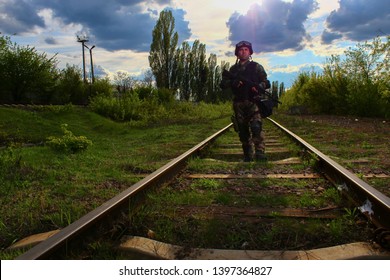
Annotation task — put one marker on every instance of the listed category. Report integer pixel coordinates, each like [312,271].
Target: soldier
[248,80]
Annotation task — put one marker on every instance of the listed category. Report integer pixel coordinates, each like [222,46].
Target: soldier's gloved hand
[267,84]
[237,83]
[256,98]
[262,86]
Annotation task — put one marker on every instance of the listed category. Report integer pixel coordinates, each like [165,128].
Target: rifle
[249,84]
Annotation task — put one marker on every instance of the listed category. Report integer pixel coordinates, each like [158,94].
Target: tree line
[30,77]
[185,69]
[355,83]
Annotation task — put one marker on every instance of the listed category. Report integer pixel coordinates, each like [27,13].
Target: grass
[43,189]
[197,228]
[48,189]
[343,138]
[260,192]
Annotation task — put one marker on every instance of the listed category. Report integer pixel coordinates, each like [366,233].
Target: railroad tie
[161,250]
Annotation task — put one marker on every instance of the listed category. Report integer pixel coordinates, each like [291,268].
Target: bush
[150,111]
[68,142]
[101,86]
[26,75]
[124,108]
[69,87]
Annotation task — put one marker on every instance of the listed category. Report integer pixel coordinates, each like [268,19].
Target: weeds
[68,143]
[12,172]
[333,195]
[351,215]
[367,146]
[207,184]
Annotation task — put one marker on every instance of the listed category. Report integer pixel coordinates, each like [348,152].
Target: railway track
[301,204]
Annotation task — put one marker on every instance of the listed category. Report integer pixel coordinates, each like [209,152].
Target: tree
[337,80]
[198,71]
[148,78]
[212,86]
[70,87]
[365,70]
[214,76]
[27,76]
[124,81]
[357,84]
[281,90]
[162,50]
[182,71]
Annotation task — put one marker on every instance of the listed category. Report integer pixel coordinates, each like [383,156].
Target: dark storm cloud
[18,16]
[328,37]
[111,24]
[358,20]
[273,26]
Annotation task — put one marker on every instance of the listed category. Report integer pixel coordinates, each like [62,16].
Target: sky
[288,36]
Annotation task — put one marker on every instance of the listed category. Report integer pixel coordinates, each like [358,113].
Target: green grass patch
[44,189]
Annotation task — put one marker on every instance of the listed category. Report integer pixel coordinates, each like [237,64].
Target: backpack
[266,106]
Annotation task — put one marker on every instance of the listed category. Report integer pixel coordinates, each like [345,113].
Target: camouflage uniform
[246,111]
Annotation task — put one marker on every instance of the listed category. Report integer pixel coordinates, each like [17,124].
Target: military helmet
[243,44]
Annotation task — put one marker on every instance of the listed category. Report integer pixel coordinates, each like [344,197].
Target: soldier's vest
[248,73]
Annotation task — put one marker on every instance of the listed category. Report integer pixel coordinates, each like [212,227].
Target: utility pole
[90,56]
[82,40]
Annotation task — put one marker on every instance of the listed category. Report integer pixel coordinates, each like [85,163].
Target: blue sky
[288,36]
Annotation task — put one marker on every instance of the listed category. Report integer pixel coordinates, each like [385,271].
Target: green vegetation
[68,142]
[184,68]
[357,84]
[44,189]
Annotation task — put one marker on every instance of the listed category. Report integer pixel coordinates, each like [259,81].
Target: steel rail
[60,239]
[375,205]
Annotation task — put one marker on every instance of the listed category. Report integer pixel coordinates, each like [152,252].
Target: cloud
[51,40]
[181,26]
[18,17]
[111,24]
[328,37]
[99,71]
[358,20]
[273,26]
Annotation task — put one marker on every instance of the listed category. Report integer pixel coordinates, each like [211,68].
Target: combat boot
[248,153]
[260,156]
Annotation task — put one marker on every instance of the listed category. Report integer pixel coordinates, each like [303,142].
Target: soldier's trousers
[249,125]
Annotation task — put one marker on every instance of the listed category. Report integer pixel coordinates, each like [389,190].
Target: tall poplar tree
[183,71]
[198,69]
[162,50]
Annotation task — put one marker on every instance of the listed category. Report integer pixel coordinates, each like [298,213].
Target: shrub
[68,142]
